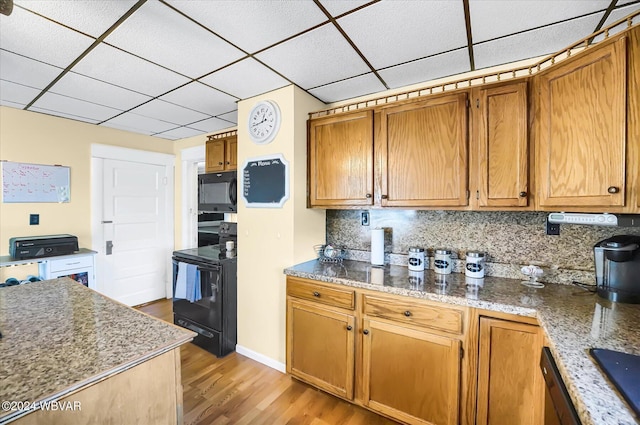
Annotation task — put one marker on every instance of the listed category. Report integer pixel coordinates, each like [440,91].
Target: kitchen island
[574,320]
[72,355]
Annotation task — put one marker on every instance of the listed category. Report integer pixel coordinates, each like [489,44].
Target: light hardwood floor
[237,390]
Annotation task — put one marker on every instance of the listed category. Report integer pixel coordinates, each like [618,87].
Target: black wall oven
[218,192]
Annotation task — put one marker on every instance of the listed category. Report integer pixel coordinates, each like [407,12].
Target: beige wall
[271,239]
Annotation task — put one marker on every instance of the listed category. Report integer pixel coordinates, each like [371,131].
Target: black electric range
[623,370]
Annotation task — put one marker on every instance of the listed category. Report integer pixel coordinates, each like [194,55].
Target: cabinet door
[341,160]
[411,375]
[320,347]
[501,137]
[582,130]
[424,146]
[214,156]
[231,153]
[510,384]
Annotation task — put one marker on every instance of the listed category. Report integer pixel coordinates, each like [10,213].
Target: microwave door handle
[233,191]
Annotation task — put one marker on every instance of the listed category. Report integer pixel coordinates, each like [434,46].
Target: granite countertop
[573,319]
[59,336]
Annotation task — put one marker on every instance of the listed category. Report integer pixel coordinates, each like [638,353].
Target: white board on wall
[22,182]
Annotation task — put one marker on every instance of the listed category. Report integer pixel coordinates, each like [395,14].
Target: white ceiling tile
[179,133]
[161,35]
[11,104]
[395,31]
[338,7]
[64,115]
[168,112]
[68,105]
[245,79]
[253,24]
[623,12]
[90,17]
[427,69]
[230,116]
[96,91]
[201,98]
[347,89]
[210,125]
[30,35]
[533,43]
[26,71]
[496,18]
[138,124]
[17,94]
[318,57]
[122,69]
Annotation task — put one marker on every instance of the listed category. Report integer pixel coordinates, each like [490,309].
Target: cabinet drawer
[436,317]
[70,263]
[342,298]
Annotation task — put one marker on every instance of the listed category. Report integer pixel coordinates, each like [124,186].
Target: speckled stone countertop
[573,318]
[59,336]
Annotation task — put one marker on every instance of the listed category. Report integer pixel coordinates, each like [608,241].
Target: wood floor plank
[240,391]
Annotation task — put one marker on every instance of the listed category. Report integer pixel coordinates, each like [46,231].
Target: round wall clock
[264,122]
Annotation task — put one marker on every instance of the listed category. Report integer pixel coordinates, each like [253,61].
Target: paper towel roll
[377,246]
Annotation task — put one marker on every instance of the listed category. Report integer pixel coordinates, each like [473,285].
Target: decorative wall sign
[23,182]
[265,181]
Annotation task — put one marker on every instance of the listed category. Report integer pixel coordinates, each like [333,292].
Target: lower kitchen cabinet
[510,384]
[409,374]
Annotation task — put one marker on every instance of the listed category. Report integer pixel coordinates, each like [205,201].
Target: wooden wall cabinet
[581,131]
[221,154]
[340,155]
[510,384]
[500,146]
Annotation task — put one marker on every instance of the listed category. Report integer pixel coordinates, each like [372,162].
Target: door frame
[189,203]
[98,154]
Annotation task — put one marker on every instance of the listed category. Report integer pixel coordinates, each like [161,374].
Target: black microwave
[217,192]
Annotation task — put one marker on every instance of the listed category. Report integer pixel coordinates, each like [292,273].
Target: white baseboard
[261,358]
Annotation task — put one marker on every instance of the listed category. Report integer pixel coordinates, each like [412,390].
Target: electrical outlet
[364,218]
[34,219]
[553,228]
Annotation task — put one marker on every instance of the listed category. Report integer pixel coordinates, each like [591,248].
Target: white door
[134,250]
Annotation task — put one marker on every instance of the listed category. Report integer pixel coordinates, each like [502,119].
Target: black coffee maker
[617,261]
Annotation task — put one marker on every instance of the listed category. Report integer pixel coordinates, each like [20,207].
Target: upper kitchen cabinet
[581,147]
[422,151]
[340,156]
[221,154]
[500,148]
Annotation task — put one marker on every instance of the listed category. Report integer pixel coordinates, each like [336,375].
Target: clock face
[264,122]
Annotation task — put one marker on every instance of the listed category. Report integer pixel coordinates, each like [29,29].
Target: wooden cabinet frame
[221,154]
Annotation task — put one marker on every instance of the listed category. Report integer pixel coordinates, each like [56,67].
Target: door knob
[109,247]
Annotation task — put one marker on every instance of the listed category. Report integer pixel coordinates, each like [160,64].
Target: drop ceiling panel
[68,105]
[347,89]
[90,17]
[230,116]
[64,115]
[111,65]
[179,133]
[30,35]
[315,58]
[246,78]
[427,69]
[169,112]
[533,43]
[96,91]
[392,32]
[159,34]
[201,98]
[210,125]
[496,18]
[338,7]
[622,12]
[26,71]
[16,95]
[138,124]
[254,24]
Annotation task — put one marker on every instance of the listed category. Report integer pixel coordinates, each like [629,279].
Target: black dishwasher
[558,408]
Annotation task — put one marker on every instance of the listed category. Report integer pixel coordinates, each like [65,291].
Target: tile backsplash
[509,239]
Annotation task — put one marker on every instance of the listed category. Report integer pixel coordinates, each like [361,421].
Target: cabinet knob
[349,327]
[407,313]
[368,195]
[384,196]
[613,189]
[219,163]
[316,294]
[523,194]
[228,162]
[366,331]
